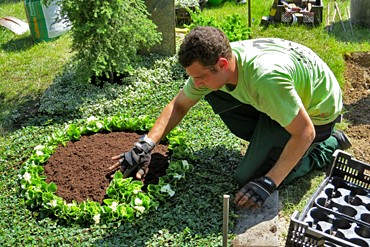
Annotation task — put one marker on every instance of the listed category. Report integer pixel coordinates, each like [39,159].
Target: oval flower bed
[125,199]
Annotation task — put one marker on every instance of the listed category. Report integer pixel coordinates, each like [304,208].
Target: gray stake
[225,220]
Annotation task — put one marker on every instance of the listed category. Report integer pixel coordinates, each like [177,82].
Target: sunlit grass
[26,68]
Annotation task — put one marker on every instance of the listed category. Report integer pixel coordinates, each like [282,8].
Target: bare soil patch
[80,169]
[357,103]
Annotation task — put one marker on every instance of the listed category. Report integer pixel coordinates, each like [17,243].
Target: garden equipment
[225,225]
[327,25]
[297,11]
[338,212]
[333,20]
[350,21]
[15,25]
[340,16]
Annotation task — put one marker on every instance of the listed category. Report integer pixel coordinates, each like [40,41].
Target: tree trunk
[360,12]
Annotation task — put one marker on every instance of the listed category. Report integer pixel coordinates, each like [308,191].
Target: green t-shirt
[277,77]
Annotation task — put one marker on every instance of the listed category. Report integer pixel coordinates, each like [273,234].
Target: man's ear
[223,63]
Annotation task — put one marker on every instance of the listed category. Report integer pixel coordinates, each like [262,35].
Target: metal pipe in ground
[225,227]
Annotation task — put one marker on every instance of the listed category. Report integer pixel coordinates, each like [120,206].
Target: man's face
[204,77]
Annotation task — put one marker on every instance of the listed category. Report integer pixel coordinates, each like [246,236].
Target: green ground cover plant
[40,75]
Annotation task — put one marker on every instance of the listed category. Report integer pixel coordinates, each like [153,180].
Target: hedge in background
[106,34]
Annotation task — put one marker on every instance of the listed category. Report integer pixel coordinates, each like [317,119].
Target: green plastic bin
[215,2]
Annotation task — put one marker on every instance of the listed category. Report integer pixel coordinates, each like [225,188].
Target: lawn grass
[27,69]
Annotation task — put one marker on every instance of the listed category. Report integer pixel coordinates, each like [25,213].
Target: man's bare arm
[171,115]
[302,133]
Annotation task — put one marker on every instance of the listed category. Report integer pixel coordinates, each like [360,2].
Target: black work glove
[255,193]
[137,159]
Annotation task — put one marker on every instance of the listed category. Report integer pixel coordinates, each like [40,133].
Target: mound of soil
[357,103]
[80,169]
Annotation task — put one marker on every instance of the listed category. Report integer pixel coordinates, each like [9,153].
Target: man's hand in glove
[255,193]
[136,159]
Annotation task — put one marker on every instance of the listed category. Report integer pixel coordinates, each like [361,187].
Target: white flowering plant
[125,197]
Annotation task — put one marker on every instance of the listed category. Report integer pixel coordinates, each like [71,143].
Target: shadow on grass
[358,112]
[195,214]
[360,33]
[15,114]
[17,45]
[23,110]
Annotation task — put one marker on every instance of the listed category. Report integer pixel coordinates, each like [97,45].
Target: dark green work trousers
[267,139]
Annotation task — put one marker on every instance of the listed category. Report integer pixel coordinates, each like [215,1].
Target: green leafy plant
[233,26]
[125,201]
[106,35]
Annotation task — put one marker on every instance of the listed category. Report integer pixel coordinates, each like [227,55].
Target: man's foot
[342,139]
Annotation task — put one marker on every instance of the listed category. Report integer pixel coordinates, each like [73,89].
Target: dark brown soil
[80,170]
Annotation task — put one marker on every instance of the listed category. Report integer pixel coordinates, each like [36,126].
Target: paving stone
[258,227]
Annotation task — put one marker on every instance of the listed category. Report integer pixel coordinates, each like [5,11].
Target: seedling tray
[338,213]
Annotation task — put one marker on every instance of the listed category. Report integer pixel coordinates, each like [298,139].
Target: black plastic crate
[338,213]
[351,170]
[314,16]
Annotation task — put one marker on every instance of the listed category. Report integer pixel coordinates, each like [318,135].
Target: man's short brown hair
[205,45]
